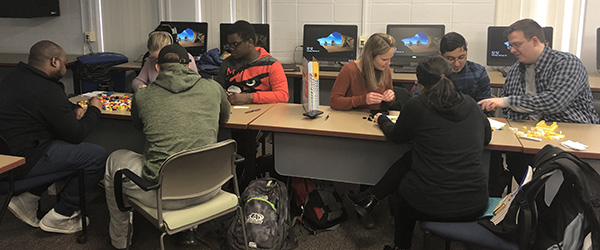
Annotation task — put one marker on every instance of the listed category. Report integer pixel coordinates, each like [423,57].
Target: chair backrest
[4,146]
[197,172]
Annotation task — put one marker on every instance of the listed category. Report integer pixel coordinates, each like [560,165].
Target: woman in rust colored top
[367,82]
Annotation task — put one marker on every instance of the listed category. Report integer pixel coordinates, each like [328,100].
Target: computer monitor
[598,49]
[330,42]
[261,30]
[414,42]
[191,35]
[498,53]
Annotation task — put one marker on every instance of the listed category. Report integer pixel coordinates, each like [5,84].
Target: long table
[346,147]
[584,133]
[115,130]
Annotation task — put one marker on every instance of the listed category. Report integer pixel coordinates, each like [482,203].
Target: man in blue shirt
[469,77]
[544,84]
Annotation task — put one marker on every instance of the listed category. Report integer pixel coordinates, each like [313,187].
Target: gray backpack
[266,211]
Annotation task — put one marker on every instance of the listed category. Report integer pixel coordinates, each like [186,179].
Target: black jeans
[60,160]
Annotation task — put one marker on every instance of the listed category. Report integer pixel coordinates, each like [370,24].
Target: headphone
[167,29]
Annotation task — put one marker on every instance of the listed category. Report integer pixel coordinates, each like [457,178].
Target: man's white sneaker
[24,207]
[57,223]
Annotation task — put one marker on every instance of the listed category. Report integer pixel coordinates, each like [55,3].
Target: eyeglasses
[230,46]
[454,59]
[516,45]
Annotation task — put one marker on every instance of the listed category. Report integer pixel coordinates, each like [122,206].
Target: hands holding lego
[95,101]
[240,98]
[389,96]
[376,117]
[79,112]
[491,103]
[374,98]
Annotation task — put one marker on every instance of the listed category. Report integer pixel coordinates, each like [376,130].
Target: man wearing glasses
[544,84]
[469,77]
[251,74]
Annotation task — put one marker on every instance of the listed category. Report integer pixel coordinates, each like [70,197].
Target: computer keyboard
[405,69]
[330,68]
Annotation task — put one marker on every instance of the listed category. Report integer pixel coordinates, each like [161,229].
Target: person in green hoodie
[442,178]
[179,111]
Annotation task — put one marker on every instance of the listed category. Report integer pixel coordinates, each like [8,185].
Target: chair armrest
[238,159]
[118,184]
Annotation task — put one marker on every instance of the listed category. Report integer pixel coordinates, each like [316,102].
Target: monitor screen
[498,53]
[414,42]
[261,30]
[598,49]
[330,42]
[191,35]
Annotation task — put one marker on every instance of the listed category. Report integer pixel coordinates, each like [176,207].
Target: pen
[250,111]
[327,117]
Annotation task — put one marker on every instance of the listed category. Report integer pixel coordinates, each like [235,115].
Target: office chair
[468,232]
[188,174]
[4,149]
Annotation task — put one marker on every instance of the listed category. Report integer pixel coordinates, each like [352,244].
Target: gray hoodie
[179,111]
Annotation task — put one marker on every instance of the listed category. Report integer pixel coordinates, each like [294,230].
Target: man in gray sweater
[179,111]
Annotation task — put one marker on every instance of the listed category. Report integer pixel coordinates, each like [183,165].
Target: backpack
[571,218]
[266,211]
[321,206]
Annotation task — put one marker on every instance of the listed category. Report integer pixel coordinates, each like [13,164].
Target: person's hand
[79,112]
[389,96]
[94,101]
[374,98]
[242,98]
[491,103]
[142,86]
[376,117]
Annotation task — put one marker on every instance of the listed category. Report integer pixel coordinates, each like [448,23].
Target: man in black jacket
[39,123]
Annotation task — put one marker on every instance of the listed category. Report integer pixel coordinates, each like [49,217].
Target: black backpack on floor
[268,221]
[571,218]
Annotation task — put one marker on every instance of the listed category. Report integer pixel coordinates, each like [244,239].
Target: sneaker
[57,223]
[24,207]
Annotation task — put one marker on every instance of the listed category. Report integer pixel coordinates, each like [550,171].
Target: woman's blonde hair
[158,39]
[377,44]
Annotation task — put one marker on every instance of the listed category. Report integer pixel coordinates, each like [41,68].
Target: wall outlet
[361,42]
[90,36]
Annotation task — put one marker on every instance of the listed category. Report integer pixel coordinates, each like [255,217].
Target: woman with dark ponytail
[442,178]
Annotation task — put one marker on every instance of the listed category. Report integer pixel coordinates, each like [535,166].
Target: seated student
[544,84]
[251,74]
[367,82]
[442,178]
[157,39]
[42,125]
[468,77]
[179,111]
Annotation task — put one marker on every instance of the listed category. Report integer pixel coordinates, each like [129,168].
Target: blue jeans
[60,160]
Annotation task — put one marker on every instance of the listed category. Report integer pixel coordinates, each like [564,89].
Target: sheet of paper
[496,124]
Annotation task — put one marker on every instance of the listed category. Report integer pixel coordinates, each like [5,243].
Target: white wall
[591,23]
[19,34]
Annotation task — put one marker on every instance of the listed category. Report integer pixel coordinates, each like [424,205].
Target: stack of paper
[503,206]
[574,145]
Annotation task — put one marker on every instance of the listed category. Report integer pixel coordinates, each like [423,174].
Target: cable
[294,54]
